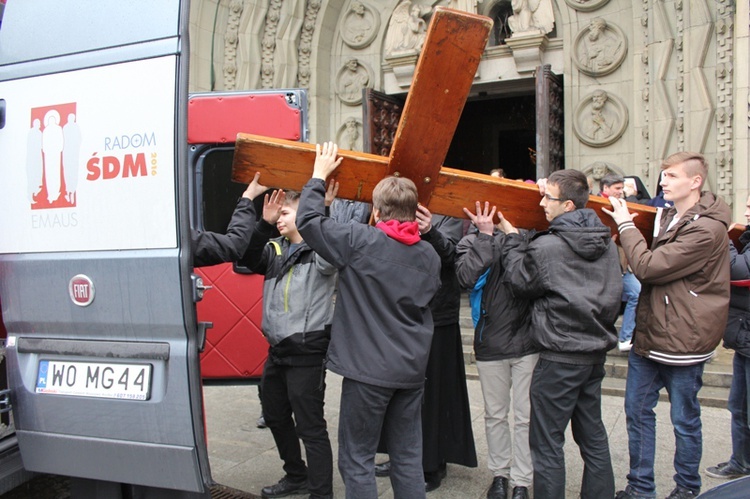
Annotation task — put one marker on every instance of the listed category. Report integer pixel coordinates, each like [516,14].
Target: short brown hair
[695,164]
[573,186]
[292,198]
[396,199]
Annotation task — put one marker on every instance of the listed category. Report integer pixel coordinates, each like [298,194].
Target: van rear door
[95,279]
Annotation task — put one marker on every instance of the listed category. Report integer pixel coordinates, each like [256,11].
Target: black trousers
[293,399]
[562,393]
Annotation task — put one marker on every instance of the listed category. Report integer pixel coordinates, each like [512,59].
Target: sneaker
[285,487]
[625,346]
[726,470]
[682,493]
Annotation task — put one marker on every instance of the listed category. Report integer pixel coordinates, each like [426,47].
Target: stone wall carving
[349,135]
[406,30]
[353,76]
[598,169]
[600,119]
[725,100]
[586,5]
[600,48]
[360,25]
[465,5]
[305,43]
[231,37]
[268,43]
[531,16]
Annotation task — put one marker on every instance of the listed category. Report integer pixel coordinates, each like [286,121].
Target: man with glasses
[571,273]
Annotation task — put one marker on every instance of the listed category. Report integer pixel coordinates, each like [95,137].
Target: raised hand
[483,219]
[254,189]
[333,189]
[272,206]
[424,219]
[325,160]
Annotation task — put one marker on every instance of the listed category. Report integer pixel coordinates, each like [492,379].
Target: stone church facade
[641,78]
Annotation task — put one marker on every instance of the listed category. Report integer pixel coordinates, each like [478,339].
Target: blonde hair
[396,199]
[694,164]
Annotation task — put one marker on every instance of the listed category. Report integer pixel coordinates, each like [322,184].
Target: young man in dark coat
[737,337]
[571,273]
[505,356]
[382,327]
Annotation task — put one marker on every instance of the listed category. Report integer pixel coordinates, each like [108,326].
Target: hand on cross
[483,219]
[619,212]
[272,206]
[325,160]
[254,189]
[424,219]
[333,189]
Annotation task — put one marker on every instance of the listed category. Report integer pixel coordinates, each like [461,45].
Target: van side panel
[94,261]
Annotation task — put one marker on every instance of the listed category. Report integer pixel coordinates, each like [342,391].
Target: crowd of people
[544,305]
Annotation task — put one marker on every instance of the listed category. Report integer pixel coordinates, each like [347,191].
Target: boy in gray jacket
[382,327]
[297,314]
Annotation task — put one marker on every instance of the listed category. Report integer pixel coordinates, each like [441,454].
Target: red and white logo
[53,148]
[81,289]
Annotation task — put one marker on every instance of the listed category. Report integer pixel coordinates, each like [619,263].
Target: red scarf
[403,232]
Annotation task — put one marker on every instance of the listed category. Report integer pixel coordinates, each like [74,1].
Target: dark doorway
[496,133]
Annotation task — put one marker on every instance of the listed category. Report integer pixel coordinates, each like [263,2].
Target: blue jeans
[645,379]
[739,397]
[631,288]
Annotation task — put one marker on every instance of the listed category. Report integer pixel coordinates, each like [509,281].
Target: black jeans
[562,393]
[365,410]
[299,391]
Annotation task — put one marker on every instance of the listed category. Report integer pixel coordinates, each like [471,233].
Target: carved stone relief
[598,169]
[600,119]
[349,135]
[465,5]
[268,43]
[305,43]
[406,30]
[353,76]
[586,5]
[230,45]
[600,48]
[531,16]
[360,25]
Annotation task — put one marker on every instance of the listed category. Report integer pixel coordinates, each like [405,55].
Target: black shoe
[261,422]
[433,479]
[314,496]
[383,469]
[726,470]
[498,489]
[520,493]
[285,487]
[682,493]
[628,494]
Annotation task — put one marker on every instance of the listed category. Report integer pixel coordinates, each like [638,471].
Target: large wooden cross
[444,74]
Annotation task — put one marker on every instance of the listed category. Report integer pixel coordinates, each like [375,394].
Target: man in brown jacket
[681,315]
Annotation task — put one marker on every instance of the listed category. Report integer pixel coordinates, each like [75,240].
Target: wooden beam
[443,77]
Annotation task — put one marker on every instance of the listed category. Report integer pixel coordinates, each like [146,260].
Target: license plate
[95,379]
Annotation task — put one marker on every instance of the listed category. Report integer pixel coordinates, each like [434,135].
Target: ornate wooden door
[550,153]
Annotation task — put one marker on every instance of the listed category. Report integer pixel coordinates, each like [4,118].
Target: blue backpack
[475,297]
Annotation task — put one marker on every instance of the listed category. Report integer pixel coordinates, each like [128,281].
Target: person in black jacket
[505,355]
[212,248]
[737,337]
[571,273]
[447,436]
[382,327]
